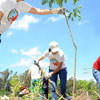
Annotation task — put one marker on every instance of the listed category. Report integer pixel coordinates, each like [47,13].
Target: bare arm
[19,0]
[1,15]
[41,58]
[58,68]
[40,11]
[25,7]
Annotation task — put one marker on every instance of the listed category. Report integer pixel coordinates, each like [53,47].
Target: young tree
[74,12]
[71,15]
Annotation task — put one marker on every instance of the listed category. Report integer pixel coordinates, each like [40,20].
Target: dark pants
[63,82]
[45,95]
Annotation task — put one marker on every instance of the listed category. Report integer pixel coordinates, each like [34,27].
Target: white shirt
[54,59]
[11,9]
[35,72]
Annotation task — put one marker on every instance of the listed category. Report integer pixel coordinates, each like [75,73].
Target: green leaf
[75,14]
[66,1]
[79,6]
[51,2]
[79,17]
[75,9]
[72,18]
[69,16]
[78,12]
[44,2]
[57,1]
[74,2]
[60,3]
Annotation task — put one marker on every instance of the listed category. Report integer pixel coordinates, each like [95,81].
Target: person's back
[35,74]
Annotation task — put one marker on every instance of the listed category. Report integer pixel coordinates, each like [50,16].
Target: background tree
[4,79]
[69,86]
[24,78]
[89,87]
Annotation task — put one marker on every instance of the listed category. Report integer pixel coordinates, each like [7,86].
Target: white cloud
[14,51]
[55,19]
[22,63]
[28,62]
[9,34]
[82,22]
[24,22]
[33,52]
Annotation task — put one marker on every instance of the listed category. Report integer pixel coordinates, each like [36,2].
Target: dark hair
[49,49]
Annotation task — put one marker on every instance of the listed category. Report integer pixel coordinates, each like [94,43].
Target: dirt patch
[82,95]
[82,98]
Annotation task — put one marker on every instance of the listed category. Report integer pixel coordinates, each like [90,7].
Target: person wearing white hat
[10,10]
[57,67]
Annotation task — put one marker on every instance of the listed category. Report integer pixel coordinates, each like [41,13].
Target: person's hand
[47,75]
[58,11]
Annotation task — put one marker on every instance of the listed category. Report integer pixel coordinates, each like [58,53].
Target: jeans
[96,74]
[63,82]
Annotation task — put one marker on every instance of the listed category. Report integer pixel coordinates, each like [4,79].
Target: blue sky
[30,35]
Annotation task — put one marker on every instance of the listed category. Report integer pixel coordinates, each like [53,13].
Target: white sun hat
[54,46]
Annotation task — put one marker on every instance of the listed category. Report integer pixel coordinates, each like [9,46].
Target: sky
[29,36]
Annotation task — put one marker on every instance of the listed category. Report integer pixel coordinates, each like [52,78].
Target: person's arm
[58,68]
[48,75]
[40,11]
[47,11]
[1,15]
[25,7]
[29,80]
[19,0]
[41,58]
